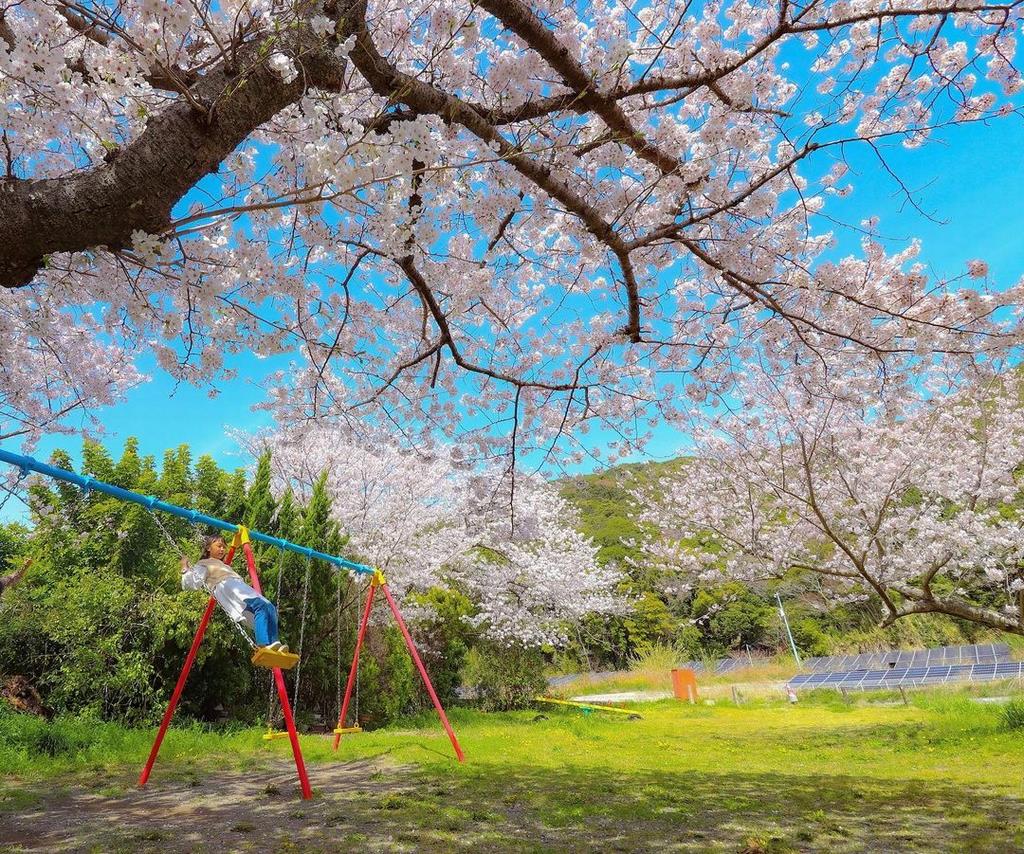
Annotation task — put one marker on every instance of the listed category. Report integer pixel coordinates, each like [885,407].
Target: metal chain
[302,633]
[243,633]
[270,676]
[167,534]
[337,643]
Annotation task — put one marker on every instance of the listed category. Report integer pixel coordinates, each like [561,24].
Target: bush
[1012,714]
[387,679]
[661,658]
[443,639]
[504,678]
[732,616]
[690,644]
[809,637]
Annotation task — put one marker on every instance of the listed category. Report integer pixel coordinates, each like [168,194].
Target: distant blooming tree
[913,499]
[498,220]
[429,521]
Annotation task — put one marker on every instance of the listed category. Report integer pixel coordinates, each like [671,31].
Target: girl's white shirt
[230,592]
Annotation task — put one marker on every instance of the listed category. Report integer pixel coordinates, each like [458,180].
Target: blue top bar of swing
[27,464]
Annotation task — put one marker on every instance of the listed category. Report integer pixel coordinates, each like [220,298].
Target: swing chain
[337,640]
[302,633]
[167,534]
[270,683]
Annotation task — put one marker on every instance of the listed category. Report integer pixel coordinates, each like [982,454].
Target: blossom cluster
[426,520]
[911,494]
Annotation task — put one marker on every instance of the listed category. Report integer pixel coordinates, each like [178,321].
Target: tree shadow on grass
[373,806]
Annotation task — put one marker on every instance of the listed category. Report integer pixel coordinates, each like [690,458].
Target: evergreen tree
[175,484]
[210,488]
[259,502]
[96,461]
[235,499]
[317,525]
[128,471]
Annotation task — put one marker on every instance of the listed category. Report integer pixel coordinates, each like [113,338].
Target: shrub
[810,638]
[504,678]
[1012,714]
[387,679]
[443,638]
[660,658]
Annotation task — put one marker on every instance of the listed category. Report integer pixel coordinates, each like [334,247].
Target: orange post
[684,684]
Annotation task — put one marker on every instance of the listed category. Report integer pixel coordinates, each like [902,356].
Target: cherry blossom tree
[431,521]
[914,498]
[498,221]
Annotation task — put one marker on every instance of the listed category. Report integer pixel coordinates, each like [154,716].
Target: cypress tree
[259,510]
[210,487]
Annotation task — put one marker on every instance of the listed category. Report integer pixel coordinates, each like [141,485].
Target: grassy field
[940,774]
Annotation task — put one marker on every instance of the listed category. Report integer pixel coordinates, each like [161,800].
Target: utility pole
[789,634]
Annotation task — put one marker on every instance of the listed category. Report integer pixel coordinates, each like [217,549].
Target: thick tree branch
[103,205]
[920,602]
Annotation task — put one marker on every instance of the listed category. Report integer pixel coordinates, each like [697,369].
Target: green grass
[939,774]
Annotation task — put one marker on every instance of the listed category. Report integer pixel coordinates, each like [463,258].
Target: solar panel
[918,673]
[967,654]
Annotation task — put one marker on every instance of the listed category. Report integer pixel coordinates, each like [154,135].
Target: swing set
[276,662]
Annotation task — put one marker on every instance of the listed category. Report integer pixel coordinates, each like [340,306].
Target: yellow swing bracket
[241,536]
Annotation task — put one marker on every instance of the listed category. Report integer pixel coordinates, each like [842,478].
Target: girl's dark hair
[208,542]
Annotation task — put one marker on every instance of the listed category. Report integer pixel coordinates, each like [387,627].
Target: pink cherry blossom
[908,495]
[428,520]
[493,222]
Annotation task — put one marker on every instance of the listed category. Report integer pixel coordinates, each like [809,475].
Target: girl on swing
[239,601]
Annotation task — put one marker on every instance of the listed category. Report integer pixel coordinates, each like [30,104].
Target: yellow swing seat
[264,656]
[343,730]
[270,735]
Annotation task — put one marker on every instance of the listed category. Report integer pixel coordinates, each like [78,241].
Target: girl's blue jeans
[264,620]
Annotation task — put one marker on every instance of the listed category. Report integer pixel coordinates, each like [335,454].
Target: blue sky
[968,177]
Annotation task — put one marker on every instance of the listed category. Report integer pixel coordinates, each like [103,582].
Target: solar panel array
[989,653]
[911,676]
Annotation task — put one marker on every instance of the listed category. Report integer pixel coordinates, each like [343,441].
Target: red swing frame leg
[423,671]
[282,692]
[300,766]
[343,713]
[182,678]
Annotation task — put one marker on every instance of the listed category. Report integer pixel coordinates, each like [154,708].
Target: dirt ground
[378,805]
[201,810]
